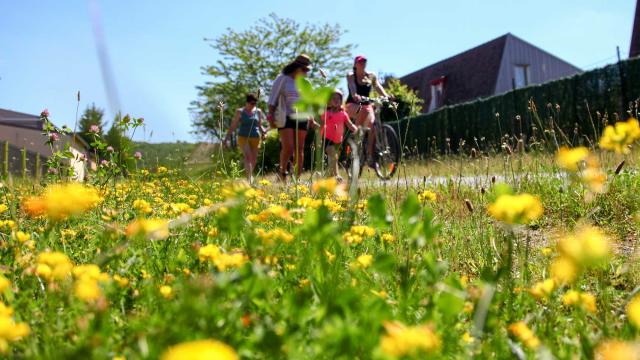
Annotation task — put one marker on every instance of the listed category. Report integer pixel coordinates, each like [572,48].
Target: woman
[294,131]
[360,83]
[248,121]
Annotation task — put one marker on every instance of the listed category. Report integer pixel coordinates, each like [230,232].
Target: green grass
[451,267]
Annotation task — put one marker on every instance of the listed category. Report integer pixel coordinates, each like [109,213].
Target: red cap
[360,58]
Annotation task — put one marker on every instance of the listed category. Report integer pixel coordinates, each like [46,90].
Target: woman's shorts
[291,124]
[254,142]
[352,111]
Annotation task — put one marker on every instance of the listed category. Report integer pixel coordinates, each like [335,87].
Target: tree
[409,104]
[251,59]
[92,116]
[117,138]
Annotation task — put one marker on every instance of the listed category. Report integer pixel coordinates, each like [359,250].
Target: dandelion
[10,331]
[633,311]
[3,208]
[364,261]
[200,350]
[564,271]
[587,246]
[53,266]
[585,301]
[166,291]
[570,159]
[521,331]
[4,284]
[154,229]
[62,201]
[616,350]
[543,289]
[516,209]
[21,237]
[401,340]
[618,137]
[87,289]
[427,196]
[387,237]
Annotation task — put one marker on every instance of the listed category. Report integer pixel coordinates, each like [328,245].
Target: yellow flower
[543,289]
[166,291]
[213,232]
[327,185]
[121,281]
[200,350]
[427,195]
[53,266]
[11,331]
[618,137]
[570,159]
[587,246]
[154,229]
[87,289]
[564,271]
[364,261]
[401,340]
[633,311]
[616,350]
[4,284]
[62,201]
[273,235]
[357,233]
[585,301]
[142,206]
[386,237]
[516,209]
[3,208]
[522,332]
[467,338]
[208,252]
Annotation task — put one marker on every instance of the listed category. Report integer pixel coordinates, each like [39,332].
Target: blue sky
[156,47]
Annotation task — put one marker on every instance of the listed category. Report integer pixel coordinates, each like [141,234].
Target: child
[332,131]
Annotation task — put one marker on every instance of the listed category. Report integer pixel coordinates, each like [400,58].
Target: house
[495,67]
[635,35]
[23,133]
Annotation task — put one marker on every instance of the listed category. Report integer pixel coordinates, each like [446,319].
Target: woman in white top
[294,131]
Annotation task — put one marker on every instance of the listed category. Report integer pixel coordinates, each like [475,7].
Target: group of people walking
[292,130]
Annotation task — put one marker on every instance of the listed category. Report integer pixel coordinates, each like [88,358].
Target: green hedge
[603,92]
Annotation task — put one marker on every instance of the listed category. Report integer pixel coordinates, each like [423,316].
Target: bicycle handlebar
[379,100]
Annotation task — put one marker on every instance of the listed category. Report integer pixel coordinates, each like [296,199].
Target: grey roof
[474,73]
[18,119]
[28,121]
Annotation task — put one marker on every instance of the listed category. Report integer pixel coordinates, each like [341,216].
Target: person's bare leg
[299,151]
[286,149]
[371,138]
[246,152]
[333,161]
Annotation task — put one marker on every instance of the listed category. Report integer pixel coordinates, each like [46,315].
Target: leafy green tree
[92,116]
[250,60]
[117,138]
[409,103]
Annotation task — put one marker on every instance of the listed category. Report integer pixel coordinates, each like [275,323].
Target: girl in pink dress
[332,131]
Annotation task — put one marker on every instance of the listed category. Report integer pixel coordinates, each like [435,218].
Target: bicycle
[386,150]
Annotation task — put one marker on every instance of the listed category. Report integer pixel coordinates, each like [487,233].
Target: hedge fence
[576,108]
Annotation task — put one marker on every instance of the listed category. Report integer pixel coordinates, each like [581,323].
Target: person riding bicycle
[360,83]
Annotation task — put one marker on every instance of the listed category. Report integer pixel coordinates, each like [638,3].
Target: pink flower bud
[44,113]
[137,155]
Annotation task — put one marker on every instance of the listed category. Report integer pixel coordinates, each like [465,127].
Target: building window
[520,76]
[437,90]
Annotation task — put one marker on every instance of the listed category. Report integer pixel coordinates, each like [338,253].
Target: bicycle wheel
[351,157]
[387,152]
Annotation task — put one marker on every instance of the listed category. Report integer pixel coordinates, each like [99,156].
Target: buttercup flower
[516,209]
[62,201]
[619,136]
[522,332]
[200,350]
[401,340]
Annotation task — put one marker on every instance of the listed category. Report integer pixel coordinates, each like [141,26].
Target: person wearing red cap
[360,83]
